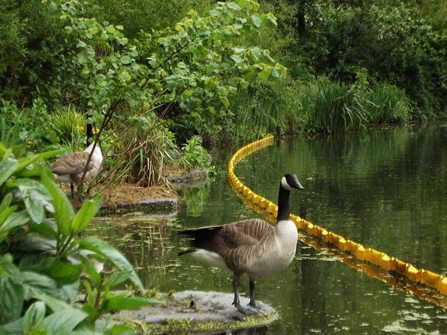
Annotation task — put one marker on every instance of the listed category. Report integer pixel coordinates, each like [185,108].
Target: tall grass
[141,148]
[331,107]
[70,124]
[387,104]
[263,108]
[256,112]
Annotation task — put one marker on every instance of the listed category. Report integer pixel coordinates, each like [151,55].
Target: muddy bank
[124,198]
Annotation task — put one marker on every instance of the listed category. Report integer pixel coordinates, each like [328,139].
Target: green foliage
[196,156]
[29,126]
[143,15]
[70,124]
[257,111]
[41,261]
[387,38]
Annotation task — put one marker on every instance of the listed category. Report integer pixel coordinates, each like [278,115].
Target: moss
[191,318]
[188,326]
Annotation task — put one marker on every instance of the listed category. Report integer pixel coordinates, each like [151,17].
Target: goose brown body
[71,167]
[250,247]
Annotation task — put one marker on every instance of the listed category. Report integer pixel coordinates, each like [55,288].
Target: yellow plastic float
[269,210]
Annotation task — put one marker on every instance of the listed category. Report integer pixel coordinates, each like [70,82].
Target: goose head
[290,181]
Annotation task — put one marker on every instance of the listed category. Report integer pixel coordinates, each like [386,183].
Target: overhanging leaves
[113,255]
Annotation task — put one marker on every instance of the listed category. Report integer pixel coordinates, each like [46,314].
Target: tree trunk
[300,15]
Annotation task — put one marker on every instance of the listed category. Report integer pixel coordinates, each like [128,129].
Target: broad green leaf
[93,275]
[117,278]
[11,300]
[63,272]
[224,101]
[120,302]
[265,73]
[237,59]
[250,75]
[233,6]
[12,221]
[90,311]
[270,21]
[34,317]
[53,303]
[7,331]
[27,161]
[50,154]
[46,227]
[84,216]
[256,54]
[81,44]
[244,84]
[125,59]
[257,21]
[40,283]
[41,332]
[122,330]
[5,210]
[109,252]
[7,168]
[63,321]
[9,270]
[63,211]
[35,196]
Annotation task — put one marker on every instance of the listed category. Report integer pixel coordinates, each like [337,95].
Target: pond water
[385,189]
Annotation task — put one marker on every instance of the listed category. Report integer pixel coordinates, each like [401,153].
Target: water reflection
[383,189]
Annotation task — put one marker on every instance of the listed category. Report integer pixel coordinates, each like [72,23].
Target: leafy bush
[30,125]
[194,155]
[42,260]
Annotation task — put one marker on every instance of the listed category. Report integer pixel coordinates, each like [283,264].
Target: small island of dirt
[125,197]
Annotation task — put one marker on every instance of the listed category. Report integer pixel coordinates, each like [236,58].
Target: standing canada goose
[71,167]
[250,247]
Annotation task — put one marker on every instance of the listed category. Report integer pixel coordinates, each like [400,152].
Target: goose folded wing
[245,233]
[71,164]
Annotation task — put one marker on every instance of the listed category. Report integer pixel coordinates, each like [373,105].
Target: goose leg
[252,302]
[72,190]
[236,301]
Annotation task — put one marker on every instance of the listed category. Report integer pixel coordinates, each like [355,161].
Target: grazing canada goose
[71,167]
[250,247]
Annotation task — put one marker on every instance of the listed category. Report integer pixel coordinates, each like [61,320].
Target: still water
[385,189]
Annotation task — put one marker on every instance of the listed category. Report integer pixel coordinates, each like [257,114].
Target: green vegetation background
[157,82]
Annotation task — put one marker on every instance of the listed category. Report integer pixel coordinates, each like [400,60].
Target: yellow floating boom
[269,210]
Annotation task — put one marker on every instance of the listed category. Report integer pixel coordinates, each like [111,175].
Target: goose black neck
[283,204]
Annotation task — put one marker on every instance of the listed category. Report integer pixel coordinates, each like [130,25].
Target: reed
[331,107]
[261,109]
[386,104]
[70,125]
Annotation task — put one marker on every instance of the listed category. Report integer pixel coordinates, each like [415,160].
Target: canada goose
[250,247]
[71,167]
